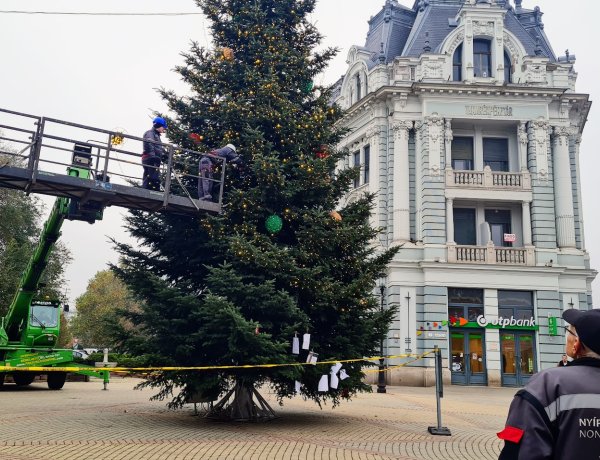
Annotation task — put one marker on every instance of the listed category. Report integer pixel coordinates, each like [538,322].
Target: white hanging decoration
[324,384]
[335,368]
[295,346]
[312,357]
[334,381]
[343,374]
[306,342]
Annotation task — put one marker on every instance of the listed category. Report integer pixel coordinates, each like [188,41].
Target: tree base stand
[242,408]
[439,431]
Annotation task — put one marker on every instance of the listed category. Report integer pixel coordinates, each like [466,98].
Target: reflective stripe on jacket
[557,415]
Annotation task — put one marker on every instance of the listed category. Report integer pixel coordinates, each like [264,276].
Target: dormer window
[482,58]
[358,88]
[457,64]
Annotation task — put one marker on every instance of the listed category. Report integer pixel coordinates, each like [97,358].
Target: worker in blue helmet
[153,154]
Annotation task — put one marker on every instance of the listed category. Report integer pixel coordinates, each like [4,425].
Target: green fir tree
[226,290]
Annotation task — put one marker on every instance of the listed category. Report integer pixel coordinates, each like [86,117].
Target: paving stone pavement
[83,422]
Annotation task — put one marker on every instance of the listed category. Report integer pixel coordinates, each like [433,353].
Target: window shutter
[495,150]
[462,148]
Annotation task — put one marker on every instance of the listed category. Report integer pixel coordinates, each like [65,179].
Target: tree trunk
[243,407]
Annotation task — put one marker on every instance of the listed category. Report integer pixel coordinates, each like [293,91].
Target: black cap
[587,323]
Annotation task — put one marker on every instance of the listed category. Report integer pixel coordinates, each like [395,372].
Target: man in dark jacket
[153,153]
[205,179]
[557,415]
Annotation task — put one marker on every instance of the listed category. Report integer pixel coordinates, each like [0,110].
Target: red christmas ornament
[322,152]
[197,138]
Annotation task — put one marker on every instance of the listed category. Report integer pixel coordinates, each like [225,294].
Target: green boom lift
[29,332]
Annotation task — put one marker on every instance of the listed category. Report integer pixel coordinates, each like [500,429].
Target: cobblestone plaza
[83,422]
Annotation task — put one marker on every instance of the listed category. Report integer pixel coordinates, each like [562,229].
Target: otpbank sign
[508,323]
[499,323]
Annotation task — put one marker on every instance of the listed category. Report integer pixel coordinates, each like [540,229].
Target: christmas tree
[278,262]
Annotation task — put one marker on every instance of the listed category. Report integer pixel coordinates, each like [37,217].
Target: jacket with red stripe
[556,416]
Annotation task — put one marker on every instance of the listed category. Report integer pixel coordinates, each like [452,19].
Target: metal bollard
[439,430]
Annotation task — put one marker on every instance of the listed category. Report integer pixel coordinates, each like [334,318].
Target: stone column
[418,180]
[538,147]
[563,194]
[523,139]
[577,139]
[435,135]
[467,58]
[526,223]
[450,221]
[401,197]
[448,137]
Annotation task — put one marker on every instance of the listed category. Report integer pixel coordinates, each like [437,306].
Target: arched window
[358,88]
[508,69]
[457,64]
[482,57]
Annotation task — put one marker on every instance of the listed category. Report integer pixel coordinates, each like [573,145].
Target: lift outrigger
[30,330]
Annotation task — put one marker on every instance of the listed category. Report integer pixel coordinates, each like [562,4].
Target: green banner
[552,325]
[21,358]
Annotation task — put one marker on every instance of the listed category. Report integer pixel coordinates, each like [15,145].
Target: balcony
[491,255]
[489,180]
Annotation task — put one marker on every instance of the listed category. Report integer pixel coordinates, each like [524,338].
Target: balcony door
[500,224]
[465,230]
[462,153]
[495,154]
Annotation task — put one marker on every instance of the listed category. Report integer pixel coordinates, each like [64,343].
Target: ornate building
[467,126]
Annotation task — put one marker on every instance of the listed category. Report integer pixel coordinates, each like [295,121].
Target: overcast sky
[103,70]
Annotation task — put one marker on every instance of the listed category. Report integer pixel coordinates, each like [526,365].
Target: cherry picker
[99,174]
[30,330]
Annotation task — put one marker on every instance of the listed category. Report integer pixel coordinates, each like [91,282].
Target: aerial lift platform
[42,149]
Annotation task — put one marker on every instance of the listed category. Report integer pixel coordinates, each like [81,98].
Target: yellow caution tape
[206,368]
[417,358]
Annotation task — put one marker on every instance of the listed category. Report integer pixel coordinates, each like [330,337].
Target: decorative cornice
[540,124]
[561,131]
[434,120]
[373,131]
[402,125]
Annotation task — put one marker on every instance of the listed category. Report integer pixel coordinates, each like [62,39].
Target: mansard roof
[399,31]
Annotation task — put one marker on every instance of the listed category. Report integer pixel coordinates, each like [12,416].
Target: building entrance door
[468,357]
[518,357]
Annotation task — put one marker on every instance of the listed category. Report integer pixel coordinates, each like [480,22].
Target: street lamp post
[381,373]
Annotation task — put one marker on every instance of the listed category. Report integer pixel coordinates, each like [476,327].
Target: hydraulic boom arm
[64,208]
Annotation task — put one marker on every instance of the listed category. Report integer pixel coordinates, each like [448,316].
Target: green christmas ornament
[274,223]
[309,86]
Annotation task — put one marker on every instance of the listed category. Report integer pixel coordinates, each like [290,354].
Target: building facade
[467,127]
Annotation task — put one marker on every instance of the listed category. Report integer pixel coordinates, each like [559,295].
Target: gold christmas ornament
[117,137]
[335,216]
[227,54]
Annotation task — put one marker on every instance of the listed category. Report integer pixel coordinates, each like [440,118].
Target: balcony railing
[511,256]
[470,254]
[490,255]
[489,179]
